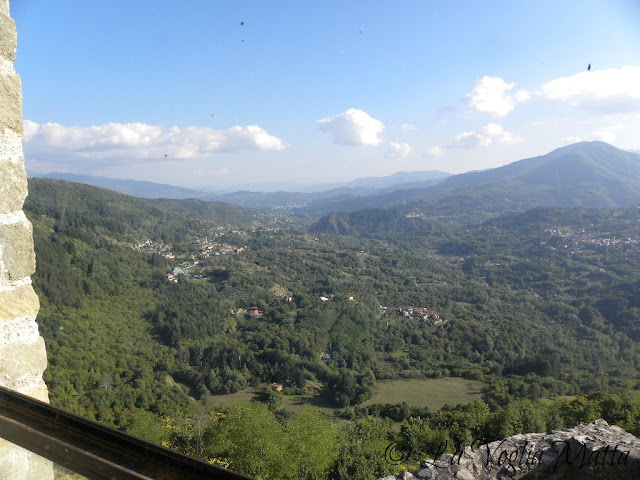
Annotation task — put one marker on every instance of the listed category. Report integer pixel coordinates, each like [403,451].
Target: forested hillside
[151,309]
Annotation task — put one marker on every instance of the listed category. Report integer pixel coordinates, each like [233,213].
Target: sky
[277,94]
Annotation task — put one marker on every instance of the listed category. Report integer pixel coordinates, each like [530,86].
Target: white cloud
[435,151]
[488,135]
[398,150]
[407,127]
[605,91]
[489,95]
[116,141]
[522,96]
[353,127]
[605,134]
[570,140]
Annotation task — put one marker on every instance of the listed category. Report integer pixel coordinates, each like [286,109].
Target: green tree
[362,456]
[314,443]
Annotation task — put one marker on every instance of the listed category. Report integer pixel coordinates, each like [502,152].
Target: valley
[168,317]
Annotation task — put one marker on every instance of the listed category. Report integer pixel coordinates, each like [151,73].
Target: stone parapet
[23,358]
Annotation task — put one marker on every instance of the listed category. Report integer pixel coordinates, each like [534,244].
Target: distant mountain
[586,174]
[135,188]
[359,193]
[375,183]
[584,164]
[346,195]
[398,178]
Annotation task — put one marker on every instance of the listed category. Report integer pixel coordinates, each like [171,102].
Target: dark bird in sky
[165,155]
[589,67]
[241,23]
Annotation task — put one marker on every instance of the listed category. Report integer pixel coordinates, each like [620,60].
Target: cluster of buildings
[419,313]
[351,298]
[206,248]
[584,240]
[149,246]
[250,312]
[587,239]
[171,277]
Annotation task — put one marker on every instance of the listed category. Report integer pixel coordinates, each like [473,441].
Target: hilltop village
[202,248]
[584,240]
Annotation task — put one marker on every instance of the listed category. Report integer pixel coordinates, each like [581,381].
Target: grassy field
[432,393]
[316,397]
[246,395]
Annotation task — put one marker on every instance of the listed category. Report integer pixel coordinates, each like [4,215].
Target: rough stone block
[21,360]
[18,302]
[38,391]
[11,103]
[13,187]
[4,6]
[11,146]
[16,252]
[17,463]
[8,37]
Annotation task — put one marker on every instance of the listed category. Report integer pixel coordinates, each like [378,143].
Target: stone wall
[22,352]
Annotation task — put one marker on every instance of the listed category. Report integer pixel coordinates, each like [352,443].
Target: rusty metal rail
[94,450]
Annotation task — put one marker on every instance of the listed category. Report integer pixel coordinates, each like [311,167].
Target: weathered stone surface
[13,188]
[17,257]
[587,451]
[38,391]
[22,364]
[11,102]
[8,36]
[16,463]
[22,352]
[15,303]
[11,146]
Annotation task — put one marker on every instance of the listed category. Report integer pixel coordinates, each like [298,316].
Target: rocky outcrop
[22,352]
[588,451]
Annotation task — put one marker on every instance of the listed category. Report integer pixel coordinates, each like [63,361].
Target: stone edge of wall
[22,349]
[23,357]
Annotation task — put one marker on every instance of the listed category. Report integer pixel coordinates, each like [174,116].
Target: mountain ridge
[359,187]
[587,174]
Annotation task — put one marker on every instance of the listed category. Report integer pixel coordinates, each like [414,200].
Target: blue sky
[227,93]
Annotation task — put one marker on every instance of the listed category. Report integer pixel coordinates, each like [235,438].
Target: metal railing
[93,450]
